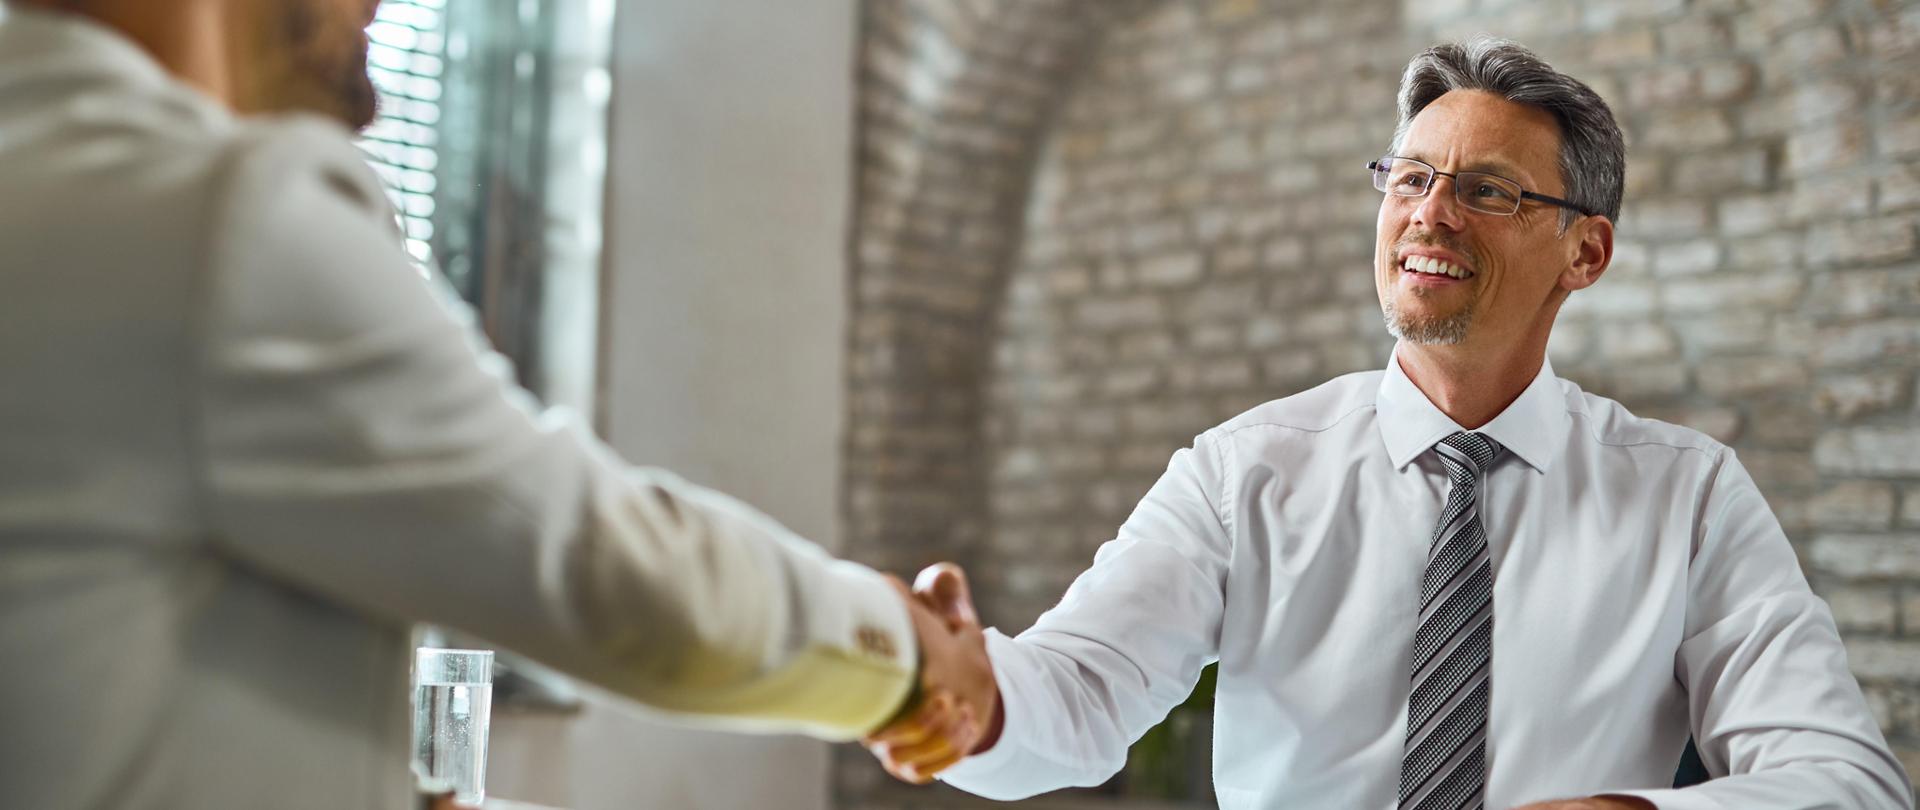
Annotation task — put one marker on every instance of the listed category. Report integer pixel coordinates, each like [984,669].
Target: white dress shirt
[243,445]
[1643,590]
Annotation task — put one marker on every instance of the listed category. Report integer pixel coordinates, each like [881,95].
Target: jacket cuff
[875,628]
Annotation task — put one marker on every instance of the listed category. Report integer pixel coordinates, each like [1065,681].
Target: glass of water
[452,705]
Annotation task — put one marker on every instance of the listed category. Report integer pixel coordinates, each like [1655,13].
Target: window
[407,59]
[491,141]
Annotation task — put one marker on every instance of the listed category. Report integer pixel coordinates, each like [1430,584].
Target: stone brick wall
[1184,229]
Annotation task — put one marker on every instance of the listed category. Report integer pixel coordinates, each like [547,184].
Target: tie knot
[1472,450]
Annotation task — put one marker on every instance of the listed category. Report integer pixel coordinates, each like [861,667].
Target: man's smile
[1433,267]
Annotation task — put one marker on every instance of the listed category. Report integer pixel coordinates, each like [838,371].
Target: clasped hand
[956,708]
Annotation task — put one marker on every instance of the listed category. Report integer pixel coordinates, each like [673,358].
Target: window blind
[407,60]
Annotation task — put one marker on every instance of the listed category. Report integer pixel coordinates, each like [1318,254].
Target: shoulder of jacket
[268,156]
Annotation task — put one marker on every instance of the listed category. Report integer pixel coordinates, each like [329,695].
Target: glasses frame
[1379,170]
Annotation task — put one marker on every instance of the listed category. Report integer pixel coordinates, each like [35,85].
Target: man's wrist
[994,727]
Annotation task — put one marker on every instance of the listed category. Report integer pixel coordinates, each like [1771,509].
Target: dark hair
[1593,154]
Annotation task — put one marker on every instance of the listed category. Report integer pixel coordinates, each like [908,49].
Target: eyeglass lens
[1481,192]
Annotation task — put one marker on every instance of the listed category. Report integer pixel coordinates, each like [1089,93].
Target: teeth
[1433,266]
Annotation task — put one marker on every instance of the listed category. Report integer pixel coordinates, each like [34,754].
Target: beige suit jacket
[244,445]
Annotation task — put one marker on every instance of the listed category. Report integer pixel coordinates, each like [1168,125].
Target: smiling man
[1459,582]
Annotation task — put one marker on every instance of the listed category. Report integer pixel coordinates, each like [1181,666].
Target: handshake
[955,709]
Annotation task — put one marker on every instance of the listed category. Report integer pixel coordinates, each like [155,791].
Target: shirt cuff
[978,770]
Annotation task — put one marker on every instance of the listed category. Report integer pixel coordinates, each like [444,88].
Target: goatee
[1435,331]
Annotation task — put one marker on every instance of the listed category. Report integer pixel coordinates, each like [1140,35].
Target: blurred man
[243,446]
[1460,582]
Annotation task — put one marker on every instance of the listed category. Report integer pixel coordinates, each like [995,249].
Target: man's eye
[1413,181]
[1491,191]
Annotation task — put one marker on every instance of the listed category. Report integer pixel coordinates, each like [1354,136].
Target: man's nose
[1439,208]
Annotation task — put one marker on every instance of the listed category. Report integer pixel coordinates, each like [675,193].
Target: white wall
[726,223]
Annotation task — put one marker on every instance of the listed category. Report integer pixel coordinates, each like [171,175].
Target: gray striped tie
[1445,762]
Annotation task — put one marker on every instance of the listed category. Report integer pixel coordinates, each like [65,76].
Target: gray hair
[1593,154]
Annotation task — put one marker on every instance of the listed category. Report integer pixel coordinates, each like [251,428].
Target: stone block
[1687,258]
[1852,505]
[1851,396]
[1647,382]
[1868,556]
[1898,189]
[1864,609]
[1322,324]
[1884,659]
[1865,293]
[1210,338]
[1777,251]
[1825,148]
[1631,341]
[1694,128]
[1779,472]
[1283,252]
[1610,298]
[1130,382]
[1745,376]
[1723,170]
[1662,86]
[1823,199]
[1752,213]
[1220,300]
[1899,137]
[1819,101]
[1292,368]
[1733,291]
[1654,219]
[1869,451]
[1730,332]
[1341,358]
[1693,36]
[1870,241]
[1170,270]
[1863,343]
[1225,374]
[1625,47]
[1781,420]
[1726,81]
[1106,314]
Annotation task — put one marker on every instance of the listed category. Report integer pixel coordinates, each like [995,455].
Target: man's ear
[1592,252]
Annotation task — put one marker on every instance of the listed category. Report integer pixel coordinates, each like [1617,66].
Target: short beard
[1444,331]
[332,63]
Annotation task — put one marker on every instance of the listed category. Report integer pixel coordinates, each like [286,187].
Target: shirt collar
[1533,428]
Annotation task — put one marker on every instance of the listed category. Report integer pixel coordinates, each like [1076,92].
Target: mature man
[243,445]
[1457,582]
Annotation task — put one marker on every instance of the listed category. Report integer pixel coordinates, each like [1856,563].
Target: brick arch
[1192,248]
[953,101]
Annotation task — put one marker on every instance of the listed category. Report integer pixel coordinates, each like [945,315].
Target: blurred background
[951,279]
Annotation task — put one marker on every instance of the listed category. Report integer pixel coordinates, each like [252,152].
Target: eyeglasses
[1486,193]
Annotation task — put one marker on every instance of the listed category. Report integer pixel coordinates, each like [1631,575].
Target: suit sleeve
[1776,713]
[361,443]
